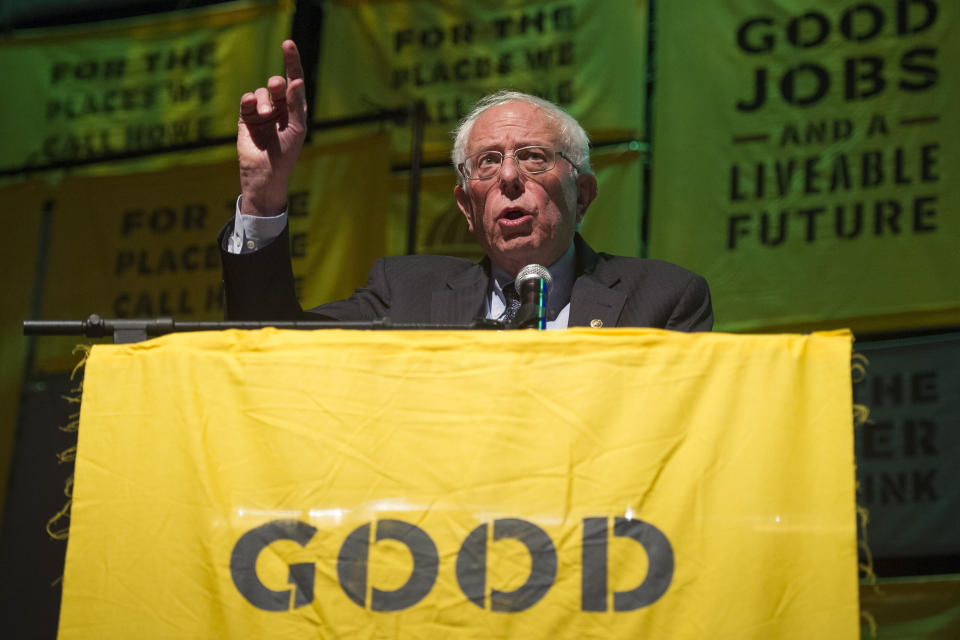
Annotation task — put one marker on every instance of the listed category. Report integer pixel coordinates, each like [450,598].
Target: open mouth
[513,216]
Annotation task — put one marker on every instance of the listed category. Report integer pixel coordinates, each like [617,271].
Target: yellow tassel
[67,455]
[858,367]
[863,515]
[55,530]
[62,532]
[861,415]
[871,622]
[84,349]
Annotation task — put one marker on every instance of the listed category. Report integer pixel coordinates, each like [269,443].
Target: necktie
[512,300]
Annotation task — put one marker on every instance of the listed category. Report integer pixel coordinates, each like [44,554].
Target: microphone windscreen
[531,273]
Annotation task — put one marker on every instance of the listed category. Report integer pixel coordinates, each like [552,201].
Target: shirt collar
[562,273]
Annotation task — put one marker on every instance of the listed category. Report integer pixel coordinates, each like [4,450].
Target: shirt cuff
[251,233]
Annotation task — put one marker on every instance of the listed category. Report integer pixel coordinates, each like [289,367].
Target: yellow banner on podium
[572,484]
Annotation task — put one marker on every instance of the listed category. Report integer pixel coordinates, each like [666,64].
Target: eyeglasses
[530,160]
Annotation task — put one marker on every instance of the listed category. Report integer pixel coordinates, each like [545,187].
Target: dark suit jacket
[616,291]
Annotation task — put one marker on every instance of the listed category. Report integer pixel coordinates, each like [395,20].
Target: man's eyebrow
[519,145]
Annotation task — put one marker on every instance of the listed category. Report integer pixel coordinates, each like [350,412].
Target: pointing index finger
[291,60]
[296,92]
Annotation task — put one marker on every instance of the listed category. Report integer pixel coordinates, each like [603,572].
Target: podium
[575,484]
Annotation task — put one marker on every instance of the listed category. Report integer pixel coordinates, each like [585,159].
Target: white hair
[573,140]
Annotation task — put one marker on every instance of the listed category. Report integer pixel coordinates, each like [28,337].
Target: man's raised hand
[271,130]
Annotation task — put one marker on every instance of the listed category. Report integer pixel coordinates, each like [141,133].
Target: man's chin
[517,252]
[520,242]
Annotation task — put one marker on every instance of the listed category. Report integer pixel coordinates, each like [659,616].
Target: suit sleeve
[260,286]
[370,302]
[693,311]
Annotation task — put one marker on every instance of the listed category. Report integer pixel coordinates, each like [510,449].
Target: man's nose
[510,176]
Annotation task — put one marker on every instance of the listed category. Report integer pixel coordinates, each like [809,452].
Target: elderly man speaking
[524,185]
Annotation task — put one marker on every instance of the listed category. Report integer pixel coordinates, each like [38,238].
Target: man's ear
[586,192]
[464,204]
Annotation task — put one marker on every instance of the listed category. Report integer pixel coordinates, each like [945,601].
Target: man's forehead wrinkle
[536,127]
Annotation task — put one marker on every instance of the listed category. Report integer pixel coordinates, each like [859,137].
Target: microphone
[533,285]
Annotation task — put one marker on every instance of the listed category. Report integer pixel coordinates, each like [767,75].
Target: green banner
[135,86]
[807,159]
[907,453]
[586,55]
[915,608]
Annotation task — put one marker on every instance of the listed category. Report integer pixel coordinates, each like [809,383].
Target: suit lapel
[461,300]
[593,297]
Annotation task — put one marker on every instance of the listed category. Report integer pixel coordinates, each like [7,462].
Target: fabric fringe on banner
[863,518]
[871,623]
[62,531]
[861,416]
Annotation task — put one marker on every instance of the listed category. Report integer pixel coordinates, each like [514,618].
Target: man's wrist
[253,232]
[267,208]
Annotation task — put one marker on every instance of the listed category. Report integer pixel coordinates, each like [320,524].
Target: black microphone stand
[125,331]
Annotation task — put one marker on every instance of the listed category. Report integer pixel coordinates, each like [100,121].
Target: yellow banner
[144,245]
[340,218]
[588,56]
[578,484]
[135,86]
